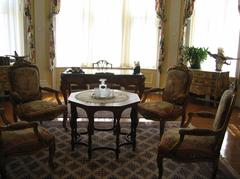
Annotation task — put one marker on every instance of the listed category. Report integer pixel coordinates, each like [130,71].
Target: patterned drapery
[239,6]
[55,9]
[160,10]
[188,11]
[28,9]
[55,6]
[189,7]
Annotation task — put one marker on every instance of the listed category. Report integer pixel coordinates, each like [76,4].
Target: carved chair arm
[149,91]
[202,114]
[51,90]
[197,132]
[18,126]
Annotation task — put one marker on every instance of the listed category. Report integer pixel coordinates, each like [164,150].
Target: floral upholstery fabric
[159,109]
[177,86]
[39,110]
[193,147]
[26,83]
[23,141]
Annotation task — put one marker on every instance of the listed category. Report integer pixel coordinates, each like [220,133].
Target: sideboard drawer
[205,75]
[203,82]
[200,90]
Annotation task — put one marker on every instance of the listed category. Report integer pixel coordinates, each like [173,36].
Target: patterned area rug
[133,165]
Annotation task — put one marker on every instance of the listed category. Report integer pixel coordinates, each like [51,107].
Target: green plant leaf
[195,55]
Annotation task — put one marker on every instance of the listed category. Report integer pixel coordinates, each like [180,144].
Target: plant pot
[195,65]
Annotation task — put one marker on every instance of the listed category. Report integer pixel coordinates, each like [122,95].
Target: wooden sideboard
[210,84]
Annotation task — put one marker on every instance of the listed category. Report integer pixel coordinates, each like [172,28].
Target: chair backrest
[25,81]
[102,64]
[224,112]
[179,79]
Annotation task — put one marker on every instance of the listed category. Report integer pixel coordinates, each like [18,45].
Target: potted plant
[195,56]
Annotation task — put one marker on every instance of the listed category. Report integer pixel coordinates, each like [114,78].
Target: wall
[172,33]
[41,18]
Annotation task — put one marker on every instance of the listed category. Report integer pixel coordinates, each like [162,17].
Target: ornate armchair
[198,144]
[174,98]
[26,95]
[23,138]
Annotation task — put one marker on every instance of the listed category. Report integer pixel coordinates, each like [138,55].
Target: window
[120,32]
[215,24]
[11,31]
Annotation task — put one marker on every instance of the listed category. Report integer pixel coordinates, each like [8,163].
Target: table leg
[117,116]
[73,123]
[134,124]
[90,115]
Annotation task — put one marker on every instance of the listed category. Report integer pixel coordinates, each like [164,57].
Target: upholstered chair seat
[39,110]
[26,95]
[23,138]
[195,144]
[160,109]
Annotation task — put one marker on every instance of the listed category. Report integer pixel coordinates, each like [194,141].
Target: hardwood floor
[231,144]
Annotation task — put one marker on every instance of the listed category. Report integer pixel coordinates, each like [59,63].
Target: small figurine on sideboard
[221,59]
[136,69]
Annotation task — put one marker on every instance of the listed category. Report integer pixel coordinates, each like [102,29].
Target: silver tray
[93,95]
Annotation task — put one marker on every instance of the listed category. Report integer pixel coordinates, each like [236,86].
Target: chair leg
[65,121]
[51,154]
[2,168]
[215,168]
[160,166]
[114,126]
[162,127]
[15,117]
[183,120]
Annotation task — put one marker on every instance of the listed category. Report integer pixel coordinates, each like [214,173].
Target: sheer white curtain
[11,30]
[118,31]
[216,23]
